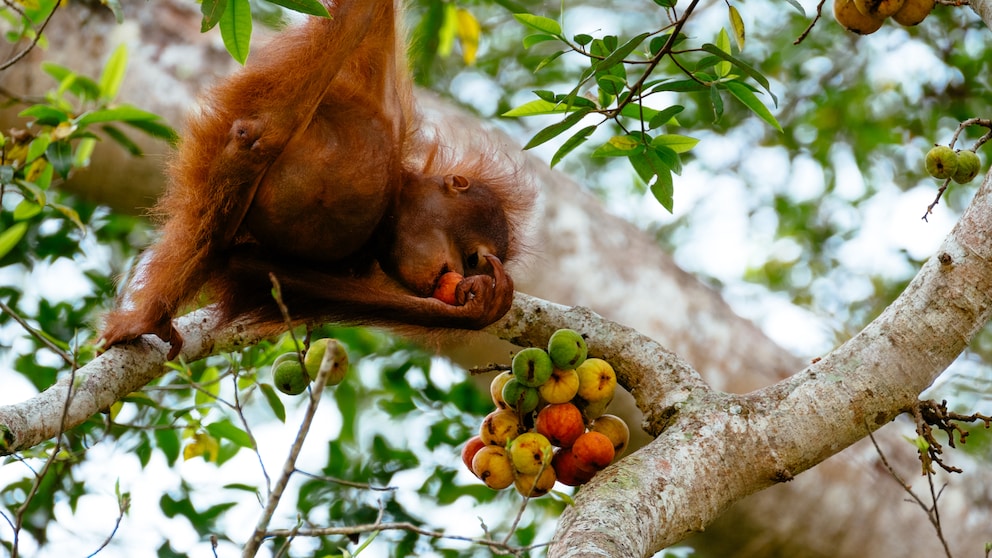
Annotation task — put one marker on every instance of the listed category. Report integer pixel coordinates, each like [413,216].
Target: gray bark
[584,256]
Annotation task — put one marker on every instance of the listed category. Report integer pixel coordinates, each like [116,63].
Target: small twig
[931,512]
[66,357]
[940,192]
[289,466]
[350,484]
[636,89]
[37,37]
[123,503]
[491,367]
[251,437]
[809,29]
[402,526]
[520,512]
[40,475]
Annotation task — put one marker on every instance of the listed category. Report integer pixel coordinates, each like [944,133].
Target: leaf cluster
[629,82]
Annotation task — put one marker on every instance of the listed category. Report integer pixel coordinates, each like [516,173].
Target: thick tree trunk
[583,256]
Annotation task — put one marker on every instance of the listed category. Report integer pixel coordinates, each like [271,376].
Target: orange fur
[309,165]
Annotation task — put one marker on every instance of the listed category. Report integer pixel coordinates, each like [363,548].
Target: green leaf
[723,43]
[448,31]
[45,115]
[235,29]
[737,25]
[25,210]
[664,191]
[557,128]
[212,10]
[168,441]
[799,7]
[639,111]
[679,86]
[619,146]
[83,151]
[80,86]
[70,214]
[548,60]
[113,73]
[155,129]
[611,84]
[122,140]
[546,95]
[37,147]
[743,66]
[648,165]
[10,237]
[541,23]
[206,396]
[668,157]
[665,116]
[577,139]
[622,52]
[717,102]
[59,154]
[751,101]
[116,8]
[123,113]
[582,39]
[224,429]
[675,142]
[537,38]
[144,450]
[537,107]
[275,403]
[309,7]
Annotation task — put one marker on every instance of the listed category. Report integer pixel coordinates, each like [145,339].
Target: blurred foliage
[856,116]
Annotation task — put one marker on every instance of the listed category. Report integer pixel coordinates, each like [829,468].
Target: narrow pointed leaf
[743,66]
[556,129]
[541,23]
[59,154]
[664,191]
[619,146]
[235,29]
[751,101]
[571,143]
[723,43]
[212,10]
[664,116]
[309,7]
[676,142]
[10,237]
[737,26]
[113,74]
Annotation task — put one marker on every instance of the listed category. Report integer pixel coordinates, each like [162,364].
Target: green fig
[532,367]
[567,349]
[290,377]
[968,166]
[521,398]
[315,355]
[941,162]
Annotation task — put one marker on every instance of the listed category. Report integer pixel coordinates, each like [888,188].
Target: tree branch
[720,447]
[109,377]
[984,10]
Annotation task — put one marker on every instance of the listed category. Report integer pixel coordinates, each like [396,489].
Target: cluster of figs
[864,17]
[962,166]
[550,424]
[293,372]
